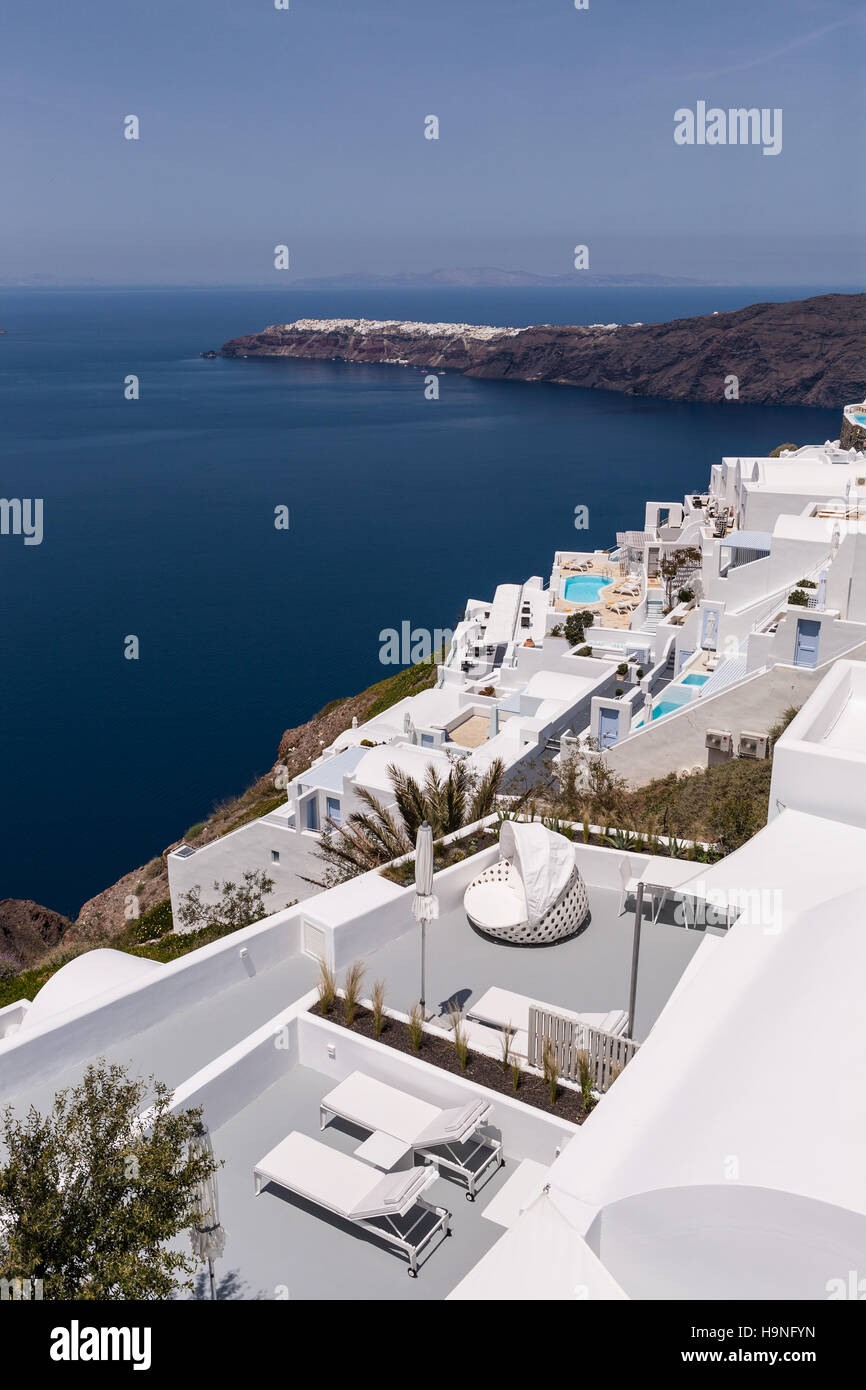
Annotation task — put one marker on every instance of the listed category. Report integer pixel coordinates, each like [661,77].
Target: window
[275,856]
[426,740]
[333,811]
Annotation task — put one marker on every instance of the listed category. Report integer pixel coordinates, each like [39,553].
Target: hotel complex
[699,1169]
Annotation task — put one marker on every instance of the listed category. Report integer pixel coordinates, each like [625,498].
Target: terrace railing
[607,1052]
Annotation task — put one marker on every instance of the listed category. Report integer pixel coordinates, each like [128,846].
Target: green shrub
[150,926]
[194,831]
[798,597]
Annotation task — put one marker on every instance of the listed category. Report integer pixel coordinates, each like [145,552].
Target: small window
[426,740]
[333,811]
[275,856]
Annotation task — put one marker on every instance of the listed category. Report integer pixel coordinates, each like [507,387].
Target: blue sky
[306,127]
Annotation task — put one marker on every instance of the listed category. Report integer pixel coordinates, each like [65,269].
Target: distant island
[487,277]
[802,352]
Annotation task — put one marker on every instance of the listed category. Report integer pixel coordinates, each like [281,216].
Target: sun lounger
[621,607]
[424,1128]
[356,1193]
[500,1009]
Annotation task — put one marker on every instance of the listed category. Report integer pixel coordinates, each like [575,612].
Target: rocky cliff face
[27,931]
[805,352]
[852,436]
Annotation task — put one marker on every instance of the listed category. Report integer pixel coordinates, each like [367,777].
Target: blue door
[608,727]
[806,645]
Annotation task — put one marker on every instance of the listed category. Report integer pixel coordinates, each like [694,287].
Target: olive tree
[93,1194]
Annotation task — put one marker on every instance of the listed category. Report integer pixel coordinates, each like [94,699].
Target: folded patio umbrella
[208,1238]
[425,907]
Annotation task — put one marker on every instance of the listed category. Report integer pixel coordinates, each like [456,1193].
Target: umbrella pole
[635,955]
[212,1282]
[423,1000]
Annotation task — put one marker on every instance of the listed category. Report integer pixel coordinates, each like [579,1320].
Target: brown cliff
[803,352]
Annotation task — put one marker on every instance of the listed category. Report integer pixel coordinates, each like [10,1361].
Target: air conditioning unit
[753,745]
[720,739]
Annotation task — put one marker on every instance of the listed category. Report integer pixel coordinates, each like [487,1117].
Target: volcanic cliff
[803,352]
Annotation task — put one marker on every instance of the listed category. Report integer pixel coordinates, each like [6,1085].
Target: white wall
[86,1030]
[248,848]
[821,778]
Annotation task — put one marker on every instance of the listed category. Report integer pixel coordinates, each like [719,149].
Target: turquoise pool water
[861,419]
[584,588]
[694,679]
[663,707]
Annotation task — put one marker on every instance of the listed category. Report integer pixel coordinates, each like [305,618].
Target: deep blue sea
[158,522]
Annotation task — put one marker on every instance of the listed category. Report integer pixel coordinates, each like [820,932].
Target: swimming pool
[584,588]
[663,707]
[694,679]
[861,419]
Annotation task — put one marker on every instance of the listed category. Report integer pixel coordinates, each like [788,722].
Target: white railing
[780,597]
[607,1052]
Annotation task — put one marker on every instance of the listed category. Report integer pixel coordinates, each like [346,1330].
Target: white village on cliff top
[640,1120]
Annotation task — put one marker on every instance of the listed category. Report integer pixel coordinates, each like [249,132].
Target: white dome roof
[95,972]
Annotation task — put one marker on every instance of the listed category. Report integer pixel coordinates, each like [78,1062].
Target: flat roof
[328,776]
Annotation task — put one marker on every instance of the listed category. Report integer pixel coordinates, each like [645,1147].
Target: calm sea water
[159,523]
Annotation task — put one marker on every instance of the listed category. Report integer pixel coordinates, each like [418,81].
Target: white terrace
[702,1169]
[228,1027]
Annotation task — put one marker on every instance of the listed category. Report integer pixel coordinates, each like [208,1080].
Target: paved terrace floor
[183,1043]
[589,972]
[277,1243]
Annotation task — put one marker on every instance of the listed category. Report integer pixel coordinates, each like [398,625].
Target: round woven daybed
[534,894]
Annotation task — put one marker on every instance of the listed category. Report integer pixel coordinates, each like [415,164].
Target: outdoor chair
[423,1128]
[534,893]
[357,1193]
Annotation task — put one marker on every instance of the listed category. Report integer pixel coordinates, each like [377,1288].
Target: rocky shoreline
[802,352]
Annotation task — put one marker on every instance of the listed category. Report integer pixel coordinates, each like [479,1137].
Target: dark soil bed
[485,1071]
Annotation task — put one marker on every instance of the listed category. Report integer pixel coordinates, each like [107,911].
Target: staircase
[731,670]
[653,615]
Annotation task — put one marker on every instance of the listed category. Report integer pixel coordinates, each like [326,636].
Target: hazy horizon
[306,128]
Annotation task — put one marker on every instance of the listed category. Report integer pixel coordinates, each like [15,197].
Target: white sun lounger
[352,1190]
[426,1129]
[501,1009]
